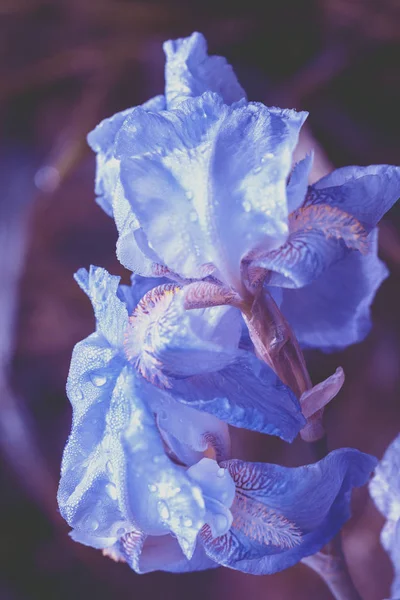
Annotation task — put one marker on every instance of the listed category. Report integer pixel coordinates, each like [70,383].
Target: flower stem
[277,345]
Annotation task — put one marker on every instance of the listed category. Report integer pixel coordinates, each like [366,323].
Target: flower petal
[115,474]
[319,236]
[298,182]
[190,72]
[367,193]
[244,394]
[198,200]
[282,514]
[334,310]
[385,485]
[145,554]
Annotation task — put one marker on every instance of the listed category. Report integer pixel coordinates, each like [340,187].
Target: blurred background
[66,64]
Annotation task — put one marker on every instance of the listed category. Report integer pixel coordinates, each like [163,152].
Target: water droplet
[267,156]
[92,523]
[221,523]
[112,491]
[152,487]
[247,206]
[163,510]
[221,472]
[79,394]
[187,522]
[121,531]
[98,380]
[189,195]
[193,216]
[109,467]
[256,170]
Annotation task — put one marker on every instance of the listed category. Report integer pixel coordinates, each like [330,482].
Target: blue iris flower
[162,378]
[200,182]
[385,490]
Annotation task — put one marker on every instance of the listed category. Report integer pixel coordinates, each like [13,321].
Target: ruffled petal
[110,312]
[298,182]
[189,72]
[164,340]
[320,235]
[281,515]
[333,311]
[198,201]
[367,193]
[115,474]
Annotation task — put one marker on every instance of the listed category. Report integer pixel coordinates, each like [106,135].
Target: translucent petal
[298,182]
[282,514]
[115,474]
[245,394]
[319,236]
[334,310]
[198,201]
[367,193]
[190,72]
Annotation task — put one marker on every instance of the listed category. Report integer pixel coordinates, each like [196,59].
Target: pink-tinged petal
[367,193]
[313,401]
[281,515]
[319,236]
[189,72]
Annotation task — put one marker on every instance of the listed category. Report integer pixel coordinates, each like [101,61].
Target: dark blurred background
[66,64]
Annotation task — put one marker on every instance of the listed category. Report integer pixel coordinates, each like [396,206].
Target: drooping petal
[334,310]
[367,193]
[298,182]
[281,515]
[244,394]
[115,474]
[319,236]
[189,72]
[218,188]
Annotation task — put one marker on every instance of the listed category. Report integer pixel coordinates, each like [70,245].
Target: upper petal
[364,192]
[218,187]
[189,72]
[281,514]
[334,310]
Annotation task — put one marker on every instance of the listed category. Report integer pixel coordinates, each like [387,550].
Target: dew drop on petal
[220,522]
[257,170]
[121,531]
[221,472]
[247,206]
[188,522]
[98,380]
[152,487]
[109,467]
[163,511]
[112,491]
[189,195]
[79,394]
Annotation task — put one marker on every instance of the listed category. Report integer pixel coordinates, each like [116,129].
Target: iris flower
[202,188]
[148,478]
[385,491]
